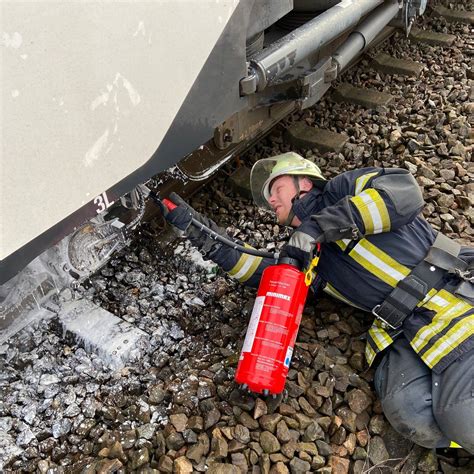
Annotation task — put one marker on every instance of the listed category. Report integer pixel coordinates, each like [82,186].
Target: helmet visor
[259,175]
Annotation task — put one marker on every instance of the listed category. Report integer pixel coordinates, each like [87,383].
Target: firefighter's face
[282,192]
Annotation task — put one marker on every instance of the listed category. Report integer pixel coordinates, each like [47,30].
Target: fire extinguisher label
[253,324]
[289,354]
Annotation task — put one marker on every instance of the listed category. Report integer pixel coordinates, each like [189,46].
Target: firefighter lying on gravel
[378,255]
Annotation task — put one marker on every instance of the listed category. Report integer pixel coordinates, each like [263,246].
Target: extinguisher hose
[232,244]
[214,235]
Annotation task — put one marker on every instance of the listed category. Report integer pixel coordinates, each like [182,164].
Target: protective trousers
[432,410]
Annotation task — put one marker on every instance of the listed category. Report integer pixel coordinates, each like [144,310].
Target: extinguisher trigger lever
[314,260]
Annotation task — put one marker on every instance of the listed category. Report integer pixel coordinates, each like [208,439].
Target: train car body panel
[97,97]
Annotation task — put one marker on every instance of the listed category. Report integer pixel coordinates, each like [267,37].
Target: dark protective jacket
[380,208]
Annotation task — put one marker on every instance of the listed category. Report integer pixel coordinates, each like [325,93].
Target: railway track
[150,388]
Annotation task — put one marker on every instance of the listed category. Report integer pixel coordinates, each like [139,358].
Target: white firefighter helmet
[264,171]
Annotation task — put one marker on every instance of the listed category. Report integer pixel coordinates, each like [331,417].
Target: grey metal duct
[365,33]
[281,56]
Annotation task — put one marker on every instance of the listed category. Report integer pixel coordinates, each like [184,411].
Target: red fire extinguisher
[271,335]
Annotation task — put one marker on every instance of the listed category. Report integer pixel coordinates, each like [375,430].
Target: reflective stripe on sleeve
[245,267]
[361,181]
[378,263]
[373,211]
[450,341]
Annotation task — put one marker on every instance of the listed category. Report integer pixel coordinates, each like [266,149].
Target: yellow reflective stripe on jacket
[427,298]
[343,243]
[361,181]
[450,341]
[373,211]
[378,263]
[330,290]
[381,337]
[369,354]
[440,321]
[245,267]
[453,444]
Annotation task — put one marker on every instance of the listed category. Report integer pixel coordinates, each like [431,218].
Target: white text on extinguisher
[279,295]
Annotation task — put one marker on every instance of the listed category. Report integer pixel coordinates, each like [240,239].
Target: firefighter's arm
[368,202]
[245,268]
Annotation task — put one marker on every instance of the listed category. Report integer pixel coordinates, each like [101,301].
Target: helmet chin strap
[291,214]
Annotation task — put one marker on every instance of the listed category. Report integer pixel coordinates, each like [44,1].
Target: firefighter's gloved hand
[181,216]
[302,243]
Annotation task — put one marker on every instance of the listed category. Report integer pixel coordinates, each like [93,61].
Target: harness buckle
[384,323]
[466,275]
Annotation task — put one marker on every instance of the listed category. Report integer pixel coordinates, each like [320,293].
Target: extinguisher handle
[169,204]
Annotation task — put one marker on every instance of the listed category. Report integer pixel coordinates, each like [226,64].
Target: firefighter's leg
[453,401]
[403,384]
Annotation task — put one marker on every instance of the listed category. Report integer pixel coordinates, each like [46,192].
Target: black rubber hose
[230,243]
[218,237]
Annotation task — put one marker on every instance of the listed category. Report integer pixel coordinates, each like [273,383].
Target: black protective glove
[302,243]
[181,217]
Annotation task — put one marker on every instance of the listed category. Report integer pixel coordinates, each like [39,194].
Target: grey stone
[339,465]
[219,446]
[313,432]
[242,434]
[298,466]
[358,400]
[182,465]
[269,442]
[279,468]
[270,422]
[309,448]
[200,449]
[359,453]
[175,441]
[179,421]
[348,418]
[260,408]
[377,451]
[211,418]
[428,462]
[323,448]
[239,460]
[222,468]
[139,458]
[282,432]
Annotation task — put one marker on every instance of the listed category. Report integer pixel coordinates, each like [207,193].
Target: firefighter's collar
[308,204]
